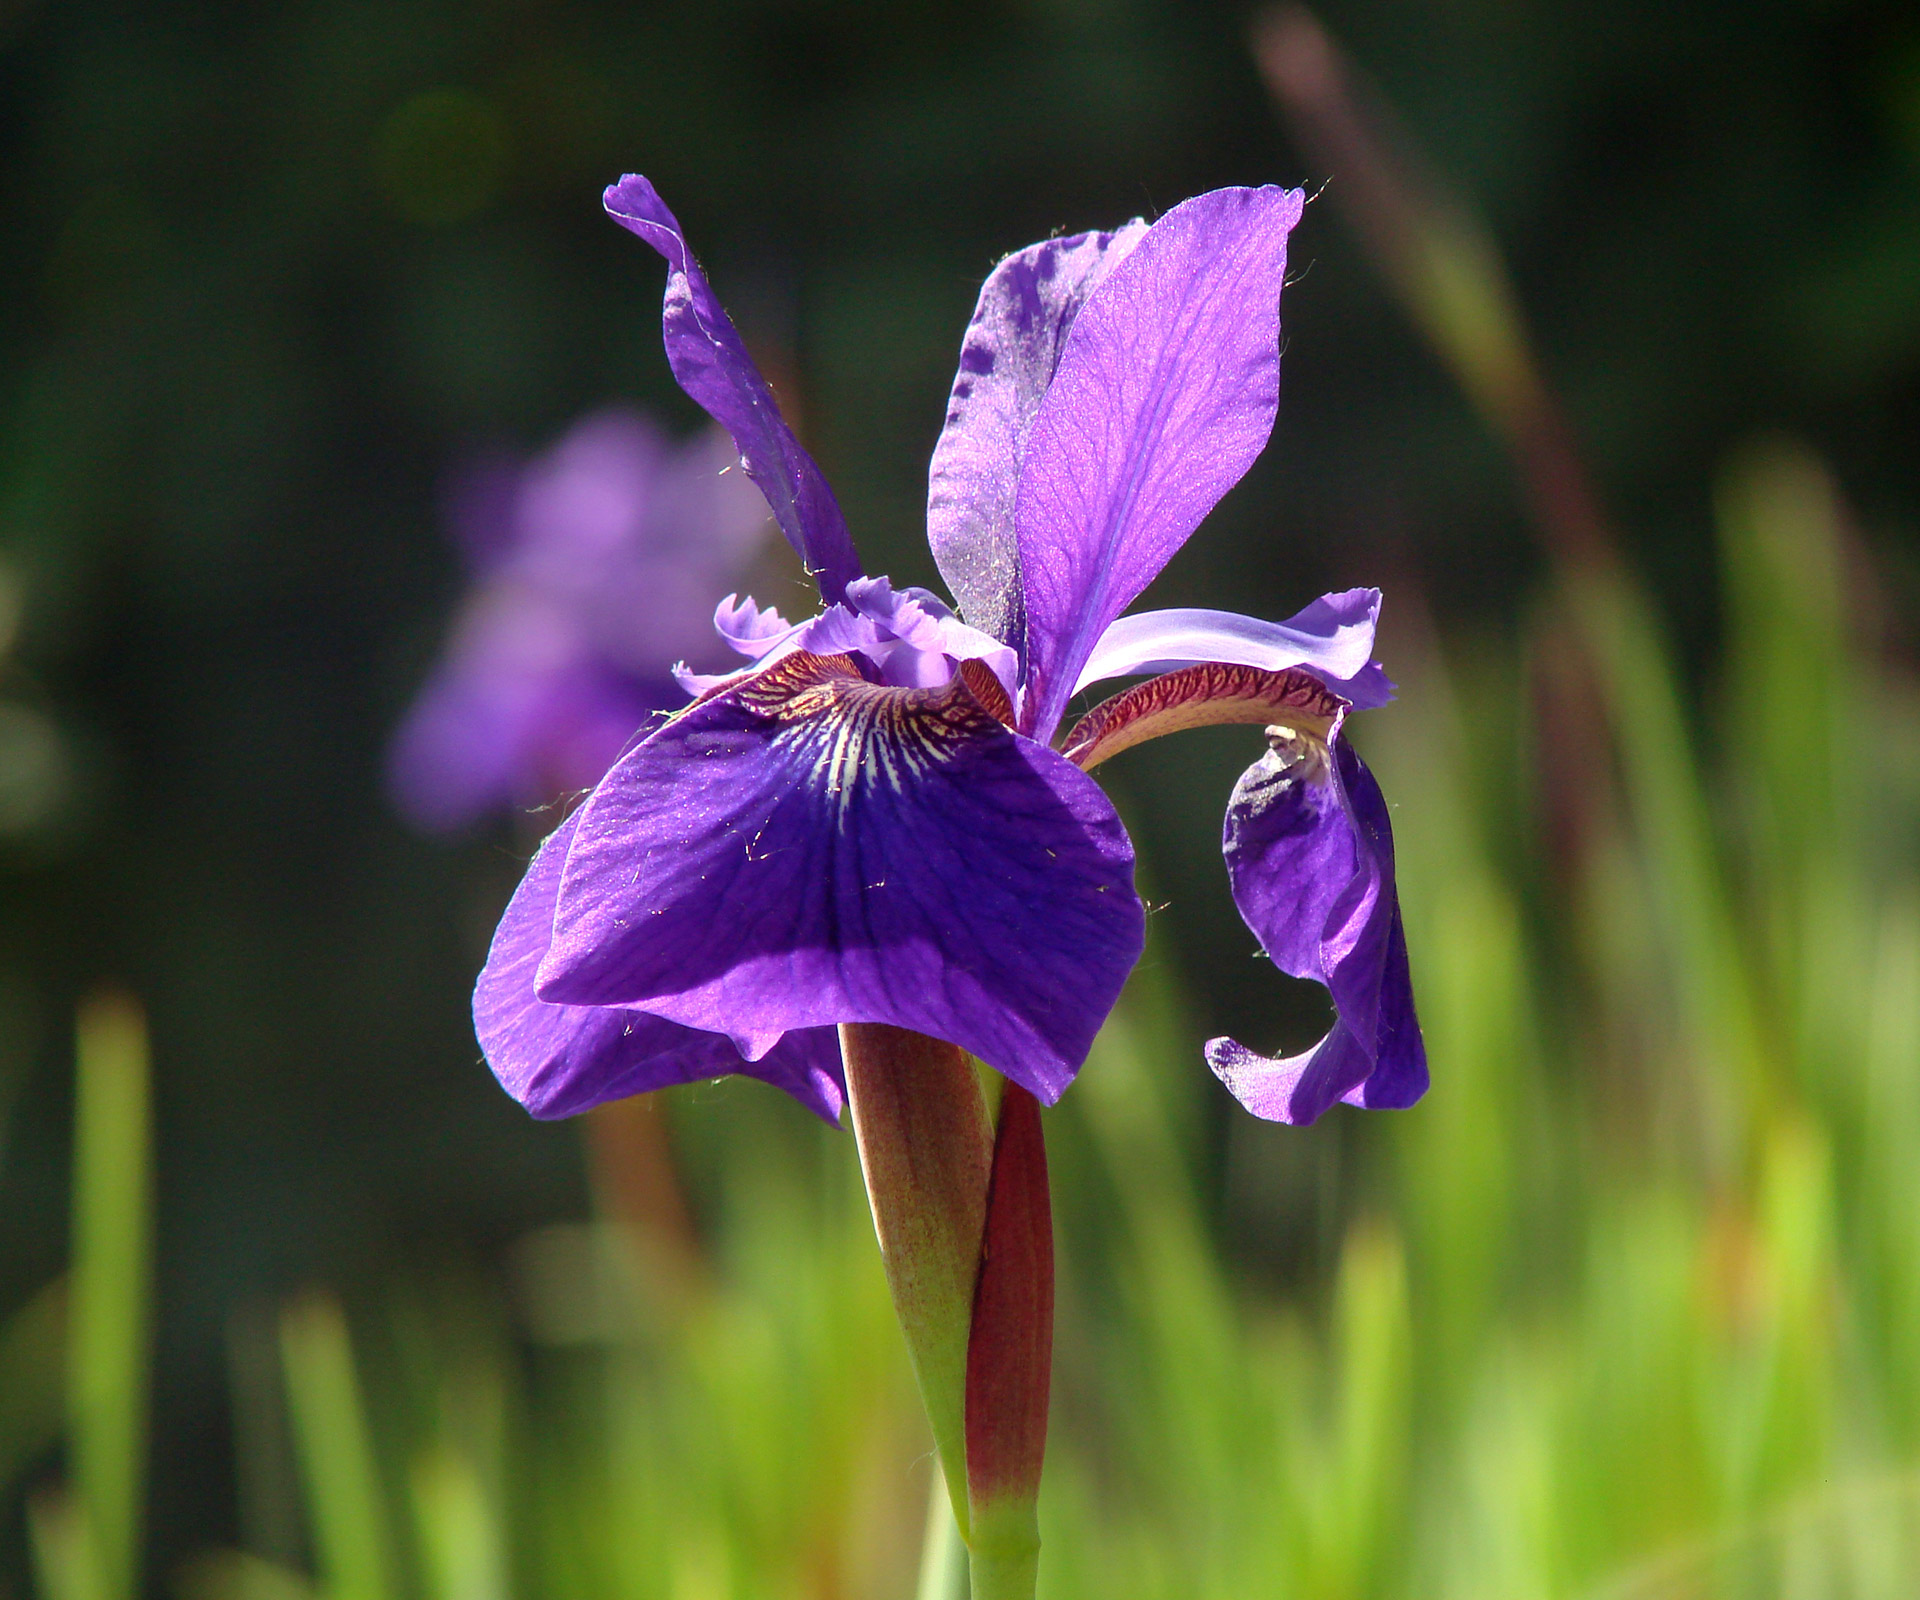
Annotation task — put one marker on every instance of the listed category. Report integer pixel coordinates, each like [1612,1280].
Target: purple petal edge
[712,365]
[1008,357]
[557,1060]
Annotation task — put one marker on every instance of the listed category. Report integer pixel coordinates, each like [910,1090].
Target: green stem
[1004,1573]
[926,1150]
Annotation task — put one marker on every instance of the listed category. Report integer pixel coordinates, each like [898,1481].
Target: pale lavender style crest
[876,817]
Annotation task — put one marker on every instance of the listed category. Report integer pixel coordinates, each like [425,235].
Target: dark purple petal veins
[1309,848]
[809,847]
[1012,346]
[1164,395]
[713,366]
[1200,697]
[558,1059]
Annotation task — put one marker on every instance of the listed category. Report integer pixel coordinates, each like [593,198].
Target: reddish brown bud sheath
[1010,1354]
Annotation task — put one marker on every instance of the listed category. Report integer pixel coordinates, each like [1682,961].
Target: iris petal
[1164,395]
[557,1059]
[1309,848]
[1332,638]
[713,366]
[810,848]
[1007,359]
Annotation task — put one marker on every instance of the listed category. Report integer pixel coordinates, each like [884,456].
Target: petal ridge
[1206,695]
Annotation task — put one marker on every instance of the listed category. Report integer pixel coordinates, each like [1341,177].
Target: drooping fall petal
[808,847]
[559,1059]
[1309,849]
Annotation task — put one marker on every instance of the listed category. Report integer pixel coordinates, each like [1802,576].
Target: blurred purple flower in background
[594,568]
[871,823]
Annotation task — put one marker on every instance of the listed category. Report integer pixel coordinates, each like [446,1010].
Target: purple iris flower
[594,568]
[876,819]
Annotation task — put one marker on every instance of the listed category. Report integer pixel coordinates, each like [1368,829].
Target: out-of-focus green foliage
[87,1534]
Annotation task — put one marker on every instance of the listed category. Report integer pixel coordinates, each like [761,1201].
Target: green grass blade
[345,1498]
[112,1241]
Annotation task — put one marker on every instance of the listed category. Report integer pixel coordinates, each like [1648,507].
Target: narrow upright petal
[557,1060]
[1007,359]
[1310,852]
[812,848]
[713,366]
[1332,639]
[1164,395]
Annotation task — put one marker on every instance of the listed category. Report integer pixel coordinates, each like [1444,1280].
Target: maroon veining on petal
[1198,697]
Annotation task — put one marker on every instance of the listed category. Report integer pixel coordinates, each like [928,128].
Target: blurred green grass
[1629,1307]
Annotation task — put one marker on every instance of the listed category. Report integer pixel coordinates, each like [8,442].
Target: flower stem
[926,1150]
[1005,1574]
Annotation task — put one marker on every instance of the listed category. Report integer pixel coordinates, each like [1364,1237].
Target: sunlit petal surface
[1008,358]
[558,1059]
[810,847]
[1164,395]
[1332,638]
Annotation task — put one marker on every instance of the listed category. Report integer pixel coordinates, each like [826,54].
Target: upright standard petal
[1332,639]
[713,366]
[812,848]
[1164,395]
[1310,851]
[1008,357]
[557,1060]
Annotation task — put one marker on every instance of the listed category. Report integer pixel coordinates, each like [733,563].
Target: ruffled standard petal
[1332,639]
[713,366]
[1310,851]
[1007,359]
[557,1059]
[811,848]
[1164,395]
